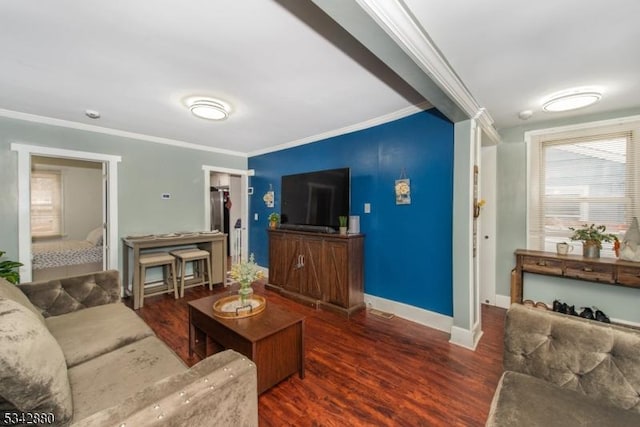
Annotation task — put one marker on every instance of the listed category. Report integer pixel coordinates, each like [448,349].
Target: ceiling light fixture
[571,99]
[208,108]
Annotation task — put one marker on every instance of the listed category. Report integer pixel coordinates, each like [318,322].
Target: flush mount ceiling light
[208,108]
[571,99]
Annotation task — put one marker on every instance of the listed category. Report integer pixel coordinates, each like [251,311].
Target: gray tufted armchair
[567,371]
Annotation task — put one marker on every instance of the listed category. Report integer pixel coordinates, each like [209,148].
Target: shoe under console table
[319,269]
[609,271]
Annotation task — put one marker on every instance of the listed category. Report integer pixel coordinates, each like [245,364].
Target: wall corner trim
[466,338]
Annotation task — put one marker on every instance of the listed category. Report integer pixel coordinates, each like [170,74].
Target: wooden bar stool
[201,276]
[167,262]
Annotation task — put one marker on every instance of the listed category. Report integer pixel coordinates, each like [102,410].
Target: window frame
[57,211]
[536,233]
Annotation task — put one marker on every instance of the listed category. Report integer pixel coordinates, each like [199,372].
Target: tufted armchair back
[596,359]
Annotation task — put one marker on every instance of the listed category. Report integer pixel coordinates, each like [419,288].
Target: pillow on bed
[95,236]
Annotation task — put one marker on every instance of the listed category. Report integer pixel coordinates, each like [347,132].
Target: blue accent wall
[407,247]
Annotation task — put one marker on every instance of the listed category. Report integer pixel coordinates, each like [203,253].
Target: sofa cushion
[523,400]
[33,372]
[227,378]
[10,291]
[110,379]
[91,332]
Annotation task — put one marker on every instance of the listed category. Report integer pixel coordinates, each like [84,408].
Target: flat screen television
[315,198]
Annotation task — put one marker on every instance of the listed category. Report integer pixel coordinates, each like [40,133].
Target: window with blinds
[46,203]
[582,177]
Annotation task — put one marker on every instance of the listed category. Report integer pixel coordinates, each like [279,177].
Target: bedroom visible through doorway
[67,212]
[109,193]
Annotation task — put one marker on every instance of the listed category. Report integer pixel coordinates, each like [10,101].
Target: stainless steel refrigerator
[220,212]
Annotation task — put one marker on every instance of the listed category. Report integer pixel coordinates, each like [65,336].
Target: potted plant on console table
[342,220]
[274,218]
[592,237]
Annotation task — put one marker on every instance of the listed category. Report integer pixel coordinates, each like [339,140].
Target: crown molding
[394,17]
[114,132]
[347,129]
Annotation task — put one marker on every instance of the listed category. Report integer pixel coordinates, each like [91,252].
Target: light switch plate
[367,208]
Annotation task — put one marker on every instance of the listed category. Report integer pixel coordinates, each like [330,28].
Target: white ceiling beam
[404,41]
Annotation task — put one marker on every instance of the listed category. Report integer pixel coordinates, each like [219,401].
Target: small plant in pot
[342,220]
[274,218]
[9,269]
[592,237]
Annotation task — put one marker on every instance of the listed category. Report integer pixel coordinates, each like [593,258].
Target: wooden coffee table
[273,339]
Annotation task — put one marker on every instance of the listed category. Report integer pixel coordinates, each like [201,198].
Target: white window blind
[583,177]
[46,203]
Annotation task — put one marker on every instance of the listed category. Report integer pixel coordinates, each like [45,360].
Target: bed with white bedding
[61,258]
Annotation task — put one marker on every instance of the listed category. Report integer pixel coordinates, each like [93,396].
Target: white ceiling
[290,73]
[511,55]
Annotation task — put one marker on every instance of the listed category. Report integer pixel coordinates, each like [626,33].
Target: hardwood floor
[365,371]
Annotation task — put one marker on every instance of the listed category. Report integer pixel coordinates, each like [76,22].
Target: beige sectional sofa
[563,370]
[71,351]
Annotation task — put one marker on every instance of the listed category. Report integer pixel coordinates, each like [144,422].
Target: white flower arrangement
[246,272]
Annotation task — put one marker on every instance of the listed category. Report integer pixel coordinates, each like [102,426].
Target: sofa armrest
[221,390]
[60,296]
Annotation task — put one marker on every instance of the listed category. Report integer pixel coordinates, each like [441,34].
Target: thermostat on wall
[166,196]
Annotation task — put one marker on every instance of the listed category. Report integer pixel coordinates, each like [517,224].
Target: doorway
[67,217]
[232,186]
[108,193]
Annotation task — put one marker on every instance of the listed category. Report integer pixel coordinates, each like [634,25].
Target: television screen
[315,198]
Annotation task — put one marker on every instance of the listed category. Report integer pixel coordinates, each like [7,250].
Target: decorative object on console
[274,218]
[9,269]
[246,273]
[592,237]
[342,220]
[354,224]
[269,197]
[630,248]
[403,189]
[563,248]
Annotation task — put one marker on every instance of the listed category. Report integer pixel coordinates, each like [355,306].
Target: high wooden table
[273,339]
[609,271]
[215,244]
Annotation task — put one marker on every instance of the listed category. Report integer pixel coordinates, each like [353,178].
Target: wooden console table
[609,271]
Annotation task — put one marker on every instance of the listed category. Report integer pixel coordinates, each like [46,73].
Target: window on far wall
[46,203]
[586,176]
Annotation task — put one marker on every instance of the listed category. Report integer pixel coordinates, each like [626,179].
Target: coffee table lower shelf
[273,339]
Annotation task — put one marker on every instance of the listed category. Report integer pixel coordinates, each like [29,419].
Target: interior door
[487,237]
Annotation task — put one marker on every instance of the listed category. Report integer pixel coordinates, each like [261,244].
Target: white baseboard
[419,315]
[503,301]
